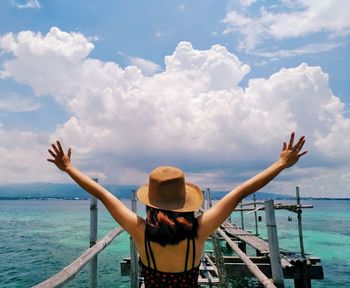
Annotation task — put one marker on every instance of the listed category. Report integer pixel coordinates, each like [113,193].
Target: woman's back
[171,258]
[171,265]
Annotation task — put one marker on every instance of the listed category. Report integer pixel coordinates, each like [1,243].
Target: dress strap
[188,252]
[146,249]
[152,256]
[193,252]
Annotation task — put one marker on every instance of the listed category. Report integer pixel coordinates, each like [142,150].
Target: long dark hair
[169,227]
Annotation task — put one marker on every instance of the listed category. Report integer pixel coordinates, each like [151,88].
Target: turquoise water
[40,237]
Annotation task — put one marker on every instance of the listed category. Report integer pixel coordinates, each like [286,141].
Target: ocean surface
[38,238]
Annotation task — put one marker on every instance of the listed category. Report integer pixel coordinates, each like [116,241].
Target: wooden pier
[270,265]
[302,270]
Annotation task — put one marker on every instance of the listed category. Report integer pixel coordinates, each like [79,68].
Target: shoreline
[80,198]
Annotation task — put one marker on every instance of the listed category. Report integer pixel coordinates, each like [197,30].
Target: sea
[38,238]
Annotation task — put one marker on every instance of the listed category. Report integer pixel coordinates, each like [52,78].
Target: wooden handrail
[69,272]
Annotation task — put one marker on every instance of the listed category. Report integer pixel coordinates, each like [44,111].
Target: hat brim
[193,199]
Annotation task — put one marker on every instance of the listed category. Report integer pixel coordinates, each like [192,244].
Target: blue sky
[214,87]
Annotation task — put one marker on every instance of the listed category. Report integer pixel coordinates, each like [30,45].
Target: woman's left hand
[61,160]
[290,154]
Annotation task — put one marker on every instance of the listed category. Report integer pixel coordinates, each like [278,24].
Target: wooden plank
[241,270]
[255,259]
[211,281]
[208,272]
[211,263]
[278,206]
[254,241]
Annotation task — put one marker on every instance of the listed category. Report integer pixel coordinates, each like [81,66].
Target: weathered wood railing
[69,272]
[90,255]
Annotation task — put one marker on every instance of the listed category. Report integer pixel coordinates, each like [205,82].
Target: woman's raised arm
[132,223]
[216,215]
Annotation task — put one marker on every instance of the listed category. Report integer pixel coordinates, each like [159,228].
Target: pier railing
[90,255]
[69,272]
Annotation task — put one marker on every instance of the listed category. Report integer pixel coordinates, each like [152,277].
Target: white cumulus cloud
[193,114]
[307,49]
[147,67]
[28,4]
[18,103]
[286,20]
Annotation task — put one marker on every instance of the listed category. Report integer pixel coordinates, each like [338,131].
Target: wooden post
[255,216]
[210,204]
[242,245]
[300,228]
[134,257]
[93,219]
[93,239]
[303,282]
[219,261]
[203,204]
[275,257]
[242,219]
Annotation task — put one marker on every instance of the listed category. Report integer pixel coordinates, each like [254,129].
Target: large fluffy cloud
[193,114]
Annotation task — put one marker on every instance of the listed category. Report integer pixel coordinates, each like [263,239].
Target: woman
[170,241]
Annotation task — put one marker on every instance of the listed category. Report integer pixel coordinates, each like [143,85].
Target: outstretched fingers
[284,147]
[69,153]
[302,154]
[291,141]
[300,144]
[51,153]
[60,148]
[55,149]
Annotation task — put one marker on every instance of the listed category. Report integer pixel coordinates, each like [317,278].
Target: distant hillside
[259,196]
[53,190]
[72,191]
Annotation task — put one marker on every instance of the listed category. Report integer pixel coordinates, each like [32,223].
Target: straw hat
[167,190]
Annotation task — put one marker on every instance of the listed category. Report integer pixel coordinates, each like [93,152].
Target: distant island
[72,191]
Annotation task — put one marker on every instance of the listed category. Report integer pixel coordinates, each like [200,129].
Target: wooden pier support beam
[134,257]
[255,216]
[93,238]
[275,257]
[242,216]
[300,228]
[303,282]
[219,260]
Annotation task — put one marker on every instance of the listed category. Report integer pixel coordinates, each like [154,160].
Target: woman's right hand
[291,153]
[61,160]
